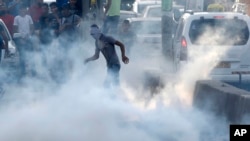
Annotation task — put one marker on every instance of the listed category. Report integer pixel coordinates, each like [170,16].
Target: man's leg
[113,29]
[110,25]
[20,49]
[106,25]
[112,78]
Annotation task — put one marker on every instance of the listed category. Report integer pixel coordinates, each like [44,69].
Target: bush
[216,7]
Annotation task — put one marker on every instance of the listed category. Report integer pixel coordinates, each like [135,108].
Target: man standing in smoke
[106,45]
[24,28]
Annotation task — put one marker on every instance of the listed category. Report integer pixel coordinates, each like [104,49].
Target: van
[227,31]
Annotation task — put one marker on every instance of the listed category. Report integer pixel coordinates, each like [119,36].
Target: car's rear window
[219,31]
[141,7]
[154,12]
[146,27]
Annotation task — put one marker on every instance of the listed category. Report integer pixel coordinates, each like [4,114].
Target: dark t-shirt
[76,10]
[71,32]
[53,23]
[106,45]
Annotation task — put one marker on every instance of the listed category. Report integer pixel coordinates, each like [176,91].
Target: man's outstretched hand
[125,59]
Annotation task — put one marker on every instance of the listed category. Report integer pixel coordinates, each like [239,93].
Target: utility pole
[167,29]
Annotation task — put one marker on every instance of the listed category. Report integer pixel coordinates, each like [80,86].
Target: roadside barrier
[222,100]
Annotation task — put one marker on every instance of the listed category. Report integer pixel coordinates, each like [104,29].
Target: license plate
[223,65]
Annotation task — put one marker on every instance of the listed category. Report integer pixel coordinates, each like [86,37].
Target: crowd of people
[34,26]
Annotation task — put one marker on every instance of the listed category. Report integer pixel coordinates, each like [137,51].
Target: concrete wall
[222,100]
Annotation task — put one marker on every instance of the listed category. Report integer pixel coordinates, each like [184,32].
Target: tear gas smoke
[82,109]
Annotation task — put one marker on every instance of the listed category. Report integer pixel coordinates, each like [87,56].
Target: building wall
[246,2]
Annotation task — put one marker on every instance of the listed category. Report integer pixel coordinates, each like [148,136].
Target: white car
[148,31]
[127,14]
[156,11]
[139,6]
[226,32]
[11,43]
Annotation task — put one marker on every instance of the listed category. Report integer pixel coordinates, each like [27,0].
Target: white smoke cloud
[82,109]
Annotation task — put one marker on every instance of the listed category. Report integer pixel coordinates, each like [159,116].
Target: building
[246,5]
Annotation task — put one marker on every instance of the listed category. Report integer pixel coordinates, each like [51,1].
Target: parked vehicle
[127,5]
[139,6]
[156,11]
[127,14]
[147,30]
[224,30]
[11,44]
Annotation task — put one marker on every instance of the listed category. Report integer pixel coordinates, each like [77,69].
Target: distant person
[68,36]
[60,3]
[74,8]
[69,24]
[106,45]
[54,18]
[44,16]
[24,27]
[14,7]
[7,18]
[3,3]
[111,16]
[126,35]
[36,11]
[44,31]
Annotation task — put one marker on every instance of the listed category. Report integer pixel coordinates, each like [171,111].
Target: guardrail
[240,74]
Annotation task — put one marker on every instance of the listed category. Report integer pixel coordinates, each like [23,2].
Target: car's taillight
[183,42]
[218,17]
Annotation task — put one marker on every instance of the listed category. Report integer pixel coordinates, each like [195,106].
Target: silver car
[147,30]
[156,11]
[223,35]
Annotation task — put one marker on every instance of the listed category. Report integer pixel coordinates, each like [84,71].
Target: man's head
[3,10]
[65,10]
[125,25]
[95,32]
[45,8]
[22,10]
[72,2]
[53,7]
